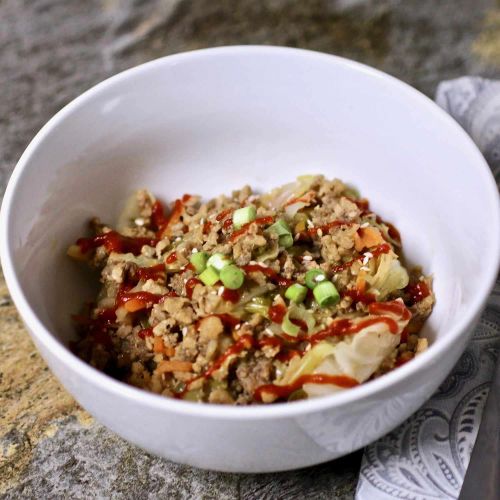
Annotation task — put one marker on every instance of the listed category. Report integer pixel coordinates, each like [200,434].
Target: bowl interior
[211,121]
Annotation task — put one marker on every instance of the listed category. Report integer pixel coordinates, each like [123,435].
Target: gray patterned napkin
[426,457]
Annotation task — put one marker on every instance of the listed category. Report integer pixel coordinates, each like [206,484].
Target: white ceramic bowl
[208,122]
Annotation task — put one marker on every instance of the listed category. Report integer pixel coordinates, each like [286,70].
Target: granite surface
[51,51]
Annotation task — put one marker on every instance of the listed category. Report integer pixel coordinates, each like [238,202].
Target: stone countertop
[50,52]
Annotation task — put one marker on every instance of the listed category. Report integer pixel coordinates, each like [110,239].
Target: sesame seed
[269,331]
[365,224]
[307,257]
[178,238]
[319,232]
[253,262]
[365,260]
[238,326]
[194,250]
[185,280]
[202,221]
[220,291]
[310,225]
[261,264]
[369,255]
[139,221]
[364,268]
[184,330]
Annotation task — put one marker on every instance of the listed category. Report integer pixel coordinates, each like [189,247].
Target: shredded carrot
[134,305]
[168,350]
[174,366]
[367,237]
[158,345]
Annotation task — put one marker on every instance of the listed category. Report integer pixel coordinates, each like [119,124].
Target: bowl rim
[260,412]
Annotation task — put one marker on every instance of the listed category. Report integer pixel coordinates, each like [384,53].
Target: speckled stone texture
[51,51]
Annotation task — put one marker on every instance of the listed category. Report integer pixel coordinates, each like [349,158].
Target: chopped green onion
[288,327]
[314,276]
[326,294]
[209,276]
[218,261]
[280,227]
[232,277]
[243,216]
[259,305]
[199,261]
[286,240]
[296,293]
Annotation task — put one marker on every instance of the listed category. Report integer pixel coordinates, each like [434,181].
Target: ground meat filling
[251,299]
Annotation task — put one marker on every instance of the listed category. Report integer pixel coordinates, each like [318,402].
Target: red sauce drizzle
[277,313]
[358,296]
[146,297]
[115,242]
[150,273]
[272,275]
[206,227]
[188,267]
[228,320]
[260,221]
[145,332]
[384,248]
[171,258]
[404,336]
[175,215]
[342,327]
[97,328]
[244,342]
[417,292]
[286,356]
[158,218]
[283,391]
[270,342]
[227,224]
[395,307]
[190,284]
[401,361]
[223,214]
[230,295]
[301,324]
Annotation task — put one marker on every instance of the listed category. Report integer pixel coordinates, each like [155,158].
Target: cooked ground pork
[251,298]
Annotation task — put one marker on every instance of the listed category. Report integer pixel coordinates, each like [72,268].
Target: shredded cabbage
[390,275]
[306,364]
[129,213]
[279,196]
[269,254]
[357,356]
[140,260]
